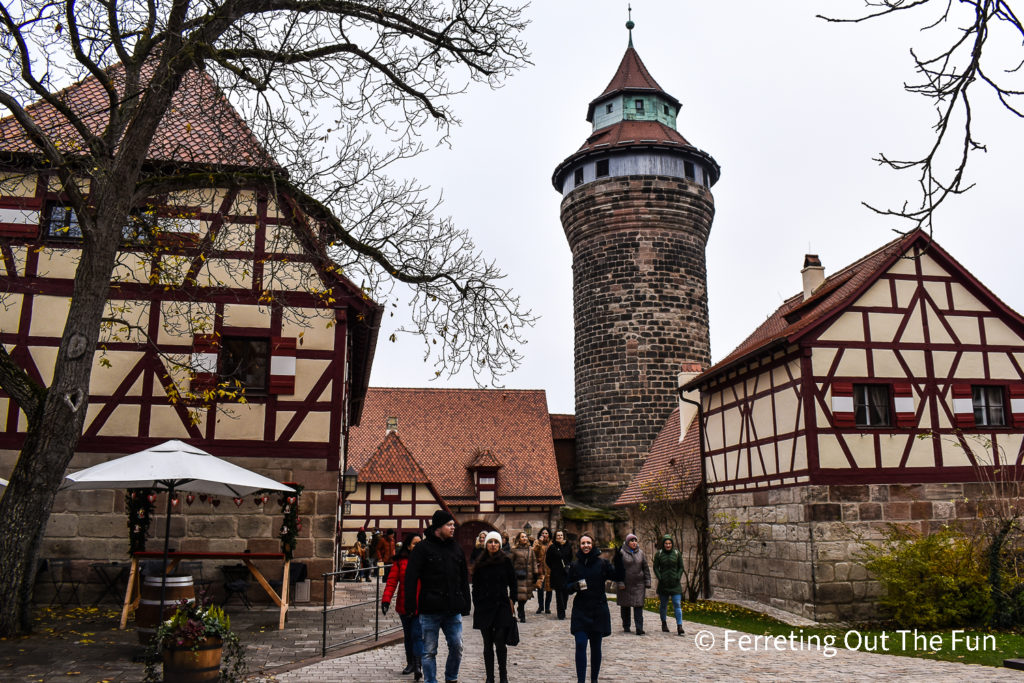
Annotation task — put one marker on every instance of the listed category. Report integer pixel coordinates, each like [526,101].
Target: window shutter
[842,404]
[19,217]
[1017,405]
[282,365]
[205,354]
[903,399]
[963,406]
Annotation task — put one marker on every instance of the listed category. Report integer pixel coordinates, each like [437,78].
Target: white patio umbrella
[172,466]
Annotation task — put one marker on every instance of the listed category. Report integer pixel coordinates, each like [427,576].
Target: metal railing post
[323,632]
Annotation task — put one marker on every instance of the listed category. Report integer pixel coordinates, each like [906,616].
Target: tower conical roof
[631,76]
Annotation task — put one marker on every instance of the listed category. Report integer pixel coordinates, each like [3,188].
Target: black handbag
[512,637]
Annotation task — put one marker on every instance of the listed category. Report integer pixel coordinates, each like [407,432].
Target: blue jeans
[581,655]
[676,602]
[452,627]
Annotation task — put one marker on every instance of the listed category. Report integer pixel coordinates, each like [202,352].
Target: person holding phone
[590,620]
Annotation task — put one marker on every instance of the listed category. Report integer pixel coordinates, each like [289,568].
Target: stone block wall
[91,526]
[640,311]
[800,544]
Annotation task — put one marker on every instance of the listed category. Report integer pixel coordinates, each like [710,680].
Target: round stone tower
[637,210]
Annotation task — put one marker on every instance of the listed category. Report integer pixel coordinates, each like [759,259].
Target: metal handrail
[378,571]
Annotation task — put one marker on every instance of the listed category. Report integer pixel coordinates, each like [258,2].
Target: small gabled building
[487,455]
[889,392]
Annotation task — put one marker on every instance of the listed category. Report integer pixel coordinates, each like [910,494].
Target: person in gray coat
[631,565]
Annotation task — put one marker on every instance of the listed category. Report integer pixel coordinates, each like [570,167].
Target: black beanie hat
[440,518]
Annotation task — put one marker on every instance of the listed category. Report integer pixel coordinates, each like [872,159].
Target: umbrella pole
[167,539]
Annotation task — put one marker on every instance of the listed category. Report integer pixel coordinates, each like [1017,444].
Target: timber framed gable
[901,367]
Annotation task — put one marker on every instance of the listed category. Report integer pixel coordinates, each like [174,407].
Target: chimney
[392,425]
[813,274]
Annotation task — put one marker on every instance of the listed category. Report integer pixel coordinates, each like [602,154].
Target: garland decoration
[292,524]
[140,503]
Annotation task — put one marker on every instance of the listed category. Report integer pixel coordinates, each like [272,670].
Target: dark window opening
[666,110]
[602,168]
[61,222]
[140,227]
[689,171]
[871,405]
[707,178]
[244,364]
[578,176]
[989,406]
[608,108]
[639,104]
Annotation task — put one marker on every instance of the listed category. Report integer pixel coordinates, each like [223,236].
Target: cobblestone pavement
[546,653]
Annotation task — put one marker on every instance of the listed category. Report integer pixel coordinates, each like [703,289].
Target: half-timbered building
[890,391]
[486,455]
[228,326]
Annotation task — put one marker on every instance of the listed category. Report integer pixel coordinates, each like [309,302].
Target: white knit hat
[492,536]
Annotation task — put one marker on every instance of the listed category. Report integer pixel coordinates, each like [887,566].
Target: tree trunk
[53,435]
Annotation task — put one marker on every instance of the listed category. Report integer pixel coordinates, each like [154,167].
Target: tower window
[707,178]
[578,176]
[666,110]
[602,168]
[689,171]
[639,104]
[608,108]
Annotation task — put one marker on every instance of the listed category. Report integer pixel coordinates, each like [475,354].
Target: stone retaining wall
[801,542]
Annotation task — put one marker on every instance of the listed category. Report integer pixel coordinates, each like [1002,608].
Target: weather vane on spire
[630,24]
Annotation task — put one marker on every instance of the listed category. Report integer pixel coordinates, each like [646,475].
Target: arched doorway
[465,534]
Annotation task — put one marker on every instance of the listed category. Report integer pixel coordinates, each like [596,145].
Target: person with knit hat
[631,564]
[494,587]
[437,589]
[668,569]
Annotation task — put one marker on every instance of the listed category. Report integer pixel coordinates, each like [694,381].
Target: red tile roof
[200,127]
[445,428]
[671,470]
[796,317]
[392,463]
[633,132]
[483,460]
[563,426]
[631,75]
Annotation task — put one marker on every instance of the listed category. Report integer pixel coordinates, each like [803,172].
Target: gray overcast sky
[792,108]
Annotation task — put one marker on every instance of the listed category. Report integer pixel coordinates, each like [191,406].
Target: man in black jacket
[437,588]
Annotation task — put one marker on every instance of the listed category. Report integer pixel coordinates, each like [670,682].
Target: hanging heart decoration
[256,501]
[216,502]
[151,498]
[264,498]
[134,495]
[238,501]
[174,501]
[291,500]
[203,497]
[190,498]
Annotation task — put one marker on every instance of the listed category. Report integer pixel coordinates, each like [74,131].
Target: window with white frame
[871,405]
[989,406]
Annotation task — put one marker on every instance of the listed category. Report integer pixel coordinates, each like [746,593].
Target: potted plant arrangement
[196,644]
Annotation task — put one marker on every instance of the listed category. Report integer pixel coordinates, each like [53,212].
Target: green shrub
[931,581]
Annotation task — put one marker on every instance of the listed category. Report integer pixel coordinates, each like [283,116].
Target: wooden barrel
[188,666]
[147,615]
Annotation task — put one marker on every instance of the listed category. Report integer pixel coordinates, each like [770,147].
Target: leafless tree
[317,82]
[969,61]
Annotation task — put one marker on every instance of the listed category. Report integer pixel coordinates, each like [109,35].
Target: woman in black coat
[494,589]
[558,559]
[590,618]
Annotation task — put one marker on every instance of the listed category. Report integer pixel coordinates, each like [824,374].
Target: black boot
[409,668]
[664,625]
[679,629]
[417,673]
[502,670]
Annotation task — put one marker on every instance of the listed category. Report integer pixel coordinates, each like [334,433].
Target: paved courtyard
[546,654]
